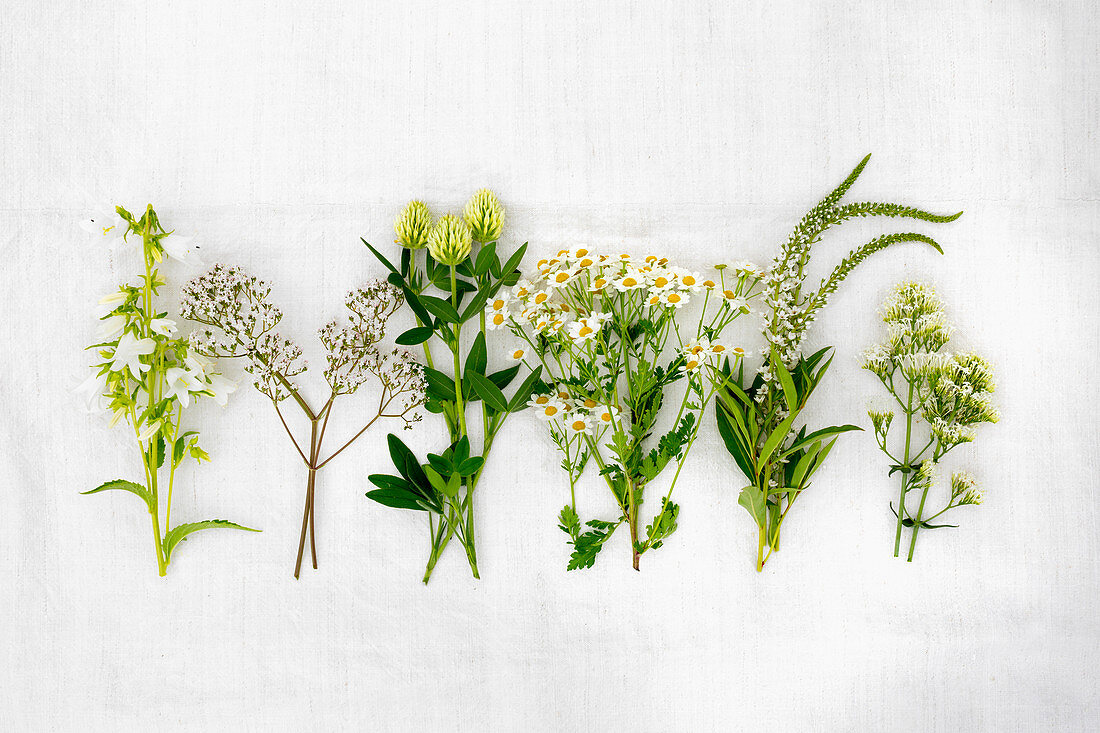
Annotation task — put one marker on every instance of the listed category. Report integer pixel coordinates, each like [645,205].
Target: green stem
[916,524]
[905,472]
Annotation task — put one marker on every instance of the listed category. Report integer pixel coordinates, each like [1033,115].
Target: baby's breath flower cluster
[148,374]
[241,323]
[951,394]
[599,324]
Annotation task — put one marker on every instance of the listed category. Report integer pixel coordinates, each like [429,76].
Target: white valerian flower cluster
[964,489]
[236,304]
[574,416]
[954,392]
[956,396]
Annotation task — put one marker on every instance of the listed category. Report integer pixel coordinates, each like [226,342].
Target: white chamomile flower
[578,423]
[605,414]
[517,354]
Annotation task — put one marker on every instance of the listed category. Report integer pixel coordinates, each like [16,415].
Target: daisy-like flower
[498,312]
[736,302]
[748,269]
[583,329]
[677,300]
[128,354]
[605,414]
[547,407]
[629,280]
[517,355]
[578,423]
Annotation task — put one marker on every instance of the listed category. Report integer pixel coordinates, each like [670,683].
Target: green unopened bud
[485,216]
[449,240]
[413,225]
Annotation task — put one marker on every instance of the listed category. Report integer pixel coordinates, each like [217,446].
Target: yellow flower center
[542,399]
[586,262]
[674,298]
[589,403]
[692,364]
[517,354]
[498,304]
[661,282]
[718,348]
[688,279]
[540,298]
[599,283]
[730,294]
[582,252]
[498,319]
[585,330]
[561,277]
[578,424]
[629,282]
[708,283]
[550,411]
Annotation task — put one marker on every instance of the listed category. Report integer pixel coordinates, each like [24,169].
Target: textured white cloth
[279,133]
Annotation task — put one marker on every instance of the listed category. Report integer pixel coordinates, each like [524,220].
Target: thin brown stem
[287,428]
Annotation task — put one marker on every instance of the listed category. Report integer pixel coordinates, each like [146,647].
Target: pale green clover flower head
[413,225]
[450,240]
[485,216]
[964,489]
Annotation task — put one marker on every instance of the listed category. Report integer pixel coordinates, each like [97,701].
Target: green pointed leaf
[789,392]
[485,258]
[181,531]
[440,308]
[519,399]
[514,260]
[477,359]
[415,336]
[440,385]
[505,376]
[397,498]
[804,463]
[381,259]
[488,391]
[774,440]
[123,485]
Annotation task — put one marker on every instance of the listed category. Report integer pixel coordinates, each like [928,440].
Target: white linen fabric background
[280,133]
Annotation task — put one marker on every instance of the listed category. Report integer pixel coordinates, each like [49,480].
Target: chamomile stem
[916,524]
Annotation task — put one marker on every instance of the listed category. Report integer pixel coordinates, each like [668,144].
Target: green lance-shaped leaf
[817,434]
[519,399]
[774,440]
[478,358]
[790,394]
[388,265]
[180,532]
[485,258]
[803,465]
[488,391]
[440,308]
[514,260]
[735,444]
[123,485]
[415,336]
